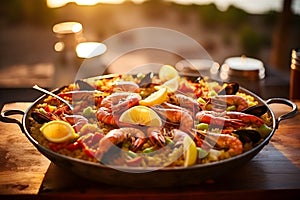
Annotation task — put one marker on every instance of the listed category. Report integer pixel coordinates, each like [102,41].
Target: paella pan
[149,130]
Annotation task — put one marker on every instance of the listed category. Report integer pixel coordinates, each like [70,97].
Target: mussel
[40,117]
[84,85]
[229,88]
[257,110]
[248,135]
[146,80]
[195,79]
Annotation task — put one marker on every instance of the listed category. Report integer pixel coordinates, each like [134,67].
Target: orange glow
[60,3]
[90,49]
[59,46]
[67,27]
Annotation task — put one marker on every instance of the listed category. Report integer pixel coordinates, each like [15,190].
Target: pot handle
[4,117]
[287,102]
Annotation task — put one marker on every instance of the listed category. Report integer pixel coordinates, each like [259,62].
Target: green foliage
[270,18]
[234,16]
[28,11]
[251,40]
[209,15]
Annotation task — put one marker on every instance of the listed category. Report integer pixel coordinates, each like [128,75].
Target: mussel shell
[230,88]
[258,110]
[147,80]
[84,85]
[40,117]
[196,79]
[247,135]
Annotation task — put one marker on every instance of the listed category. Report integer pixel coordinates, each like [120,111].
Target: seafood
[228,119]
[41,117]
[176,116]
[121,100]
[248,135]
[126,86]
[77,121]
[229,88]
[222,101]
[179,136]
[257,110]
[246,119]
[106,116]
[117,136]
[156,136]
[229,143]
[111,106]
[188,102]
[233,144]
[146,80]
[222,126]
[84,85]
[213,119]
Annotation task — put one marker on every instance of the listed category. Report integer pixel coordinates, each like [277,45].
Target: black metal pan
[165,177]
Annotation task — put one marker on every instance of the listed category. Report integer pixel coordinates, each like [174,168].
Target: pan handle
[4,117]
[287,102]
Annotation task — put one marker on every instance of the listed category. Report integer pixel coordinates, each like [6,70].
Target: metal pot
[165,177]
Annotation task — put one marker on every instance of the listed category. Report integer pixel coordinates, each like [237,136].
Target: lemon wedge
[167,72]
[171,85]
[190,151]
[58,131]
[155,98]
[141,115]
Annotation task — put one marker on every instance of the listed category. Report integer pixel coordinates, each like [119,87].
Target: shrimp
[177,116]
[179,136]
[126,86]
[211,118]
[245,118]
[121,100]
[188,102]
[114,104]
[117,136]
[232,100]
[77,121]
[229,143]
[156,136]
[105,115]
[233,145]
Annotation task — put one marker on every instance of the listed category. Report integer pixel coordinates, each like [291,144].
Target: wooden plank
[287,137]
[22,167]
[269,170]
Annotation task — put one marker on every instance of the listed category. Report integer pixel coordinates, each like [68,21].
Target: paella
[150,120]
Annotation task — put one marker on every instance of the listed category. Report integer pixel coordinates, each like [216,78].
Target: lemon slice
[167,72]
[171,85]
[58,131]
[155,98]
[190,151]
[141,115]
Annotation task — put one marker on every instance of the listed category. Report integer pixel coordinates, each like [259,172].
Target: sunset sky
[253,6]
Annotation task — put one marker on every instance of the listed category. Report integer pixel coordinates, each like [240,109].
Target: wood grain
[22,167]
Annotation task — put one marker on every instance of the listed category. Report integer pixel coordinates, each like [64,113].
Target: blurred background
[32,51]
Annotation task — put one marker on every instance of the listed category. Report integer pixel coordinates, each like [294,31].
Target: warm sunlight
[60,3]
[90,49]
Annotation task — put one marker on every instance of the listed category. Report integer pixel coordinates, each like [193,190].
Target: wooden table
[274,173]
